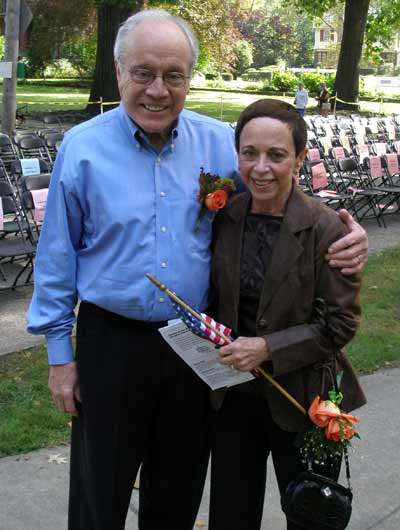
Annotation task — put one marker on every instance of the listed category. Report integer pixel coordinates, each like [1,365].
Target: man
[123,202]
[301,99]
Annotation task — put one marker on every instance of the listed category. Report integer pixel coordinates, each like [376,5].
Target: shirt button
[163,229]
[158,160]
[162,193]
[262,323]
[163,264]
[161,300]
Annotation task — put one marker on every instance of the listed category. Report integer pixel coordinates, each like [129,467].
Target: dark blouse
[260,234]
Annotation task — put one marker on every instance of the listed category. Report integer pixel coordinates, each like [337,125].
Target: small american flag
[196,326]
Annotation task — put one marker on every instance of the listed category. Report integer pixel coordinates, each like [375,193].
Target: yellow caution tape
[68,103]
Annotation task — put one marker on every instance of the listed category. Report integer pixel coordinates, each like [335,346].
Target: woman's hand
[245,353]
[350,252]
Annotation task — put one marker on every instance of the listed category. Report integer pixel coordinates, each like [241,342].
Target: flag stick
[183,304]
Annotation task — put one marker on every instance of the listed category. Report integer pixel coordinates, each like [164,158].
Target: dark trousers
[140,405]
[244,435]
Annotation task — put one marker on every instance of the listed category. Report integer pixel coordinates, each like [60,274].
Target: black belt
[144,324]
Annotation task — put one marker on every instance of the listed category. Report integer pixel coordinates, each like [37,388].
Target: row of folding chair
[43,144]
[17,239]
[367,189]
[24,196]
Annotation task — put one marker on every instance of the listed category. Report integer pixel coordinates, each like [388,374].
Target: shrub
[311,81]
[284,81]
[60,69]
[210,76]
[254,87]
[227,76]
[216,83]
[385,69]
[252,74]
[368,71]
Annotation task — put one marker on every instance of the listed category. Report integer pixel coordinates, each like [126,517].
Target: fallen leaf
[137,484]
[57,459]
[199,524]
[69,424]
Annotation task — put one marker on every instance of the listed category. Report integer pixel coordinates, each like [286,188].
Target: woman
[268,272]
[323,100]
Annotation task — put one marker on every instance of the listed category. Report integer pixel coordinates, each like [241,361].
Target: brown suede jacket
[298,275]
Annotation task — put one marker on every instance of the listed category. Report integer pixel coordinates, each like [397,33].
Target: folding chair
[13,224]
[391,167]
[51,119]
[33,147]
[378,170]
[337,153]
[365,199]
[19,248]
[321,184]
[8,153]
[51,140]
[17,173]
[33,202]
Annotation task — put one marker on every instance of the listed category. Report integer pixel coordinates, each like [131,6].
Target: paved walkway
[34,487]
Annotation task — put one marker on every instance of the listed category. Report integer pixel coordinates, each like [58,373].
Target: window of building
[324,35]
[320,58]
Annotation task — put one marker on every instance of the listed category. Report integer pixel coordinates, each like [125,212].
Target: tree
[244,56]
[276,34]
[110,15]
[209,19]
[69,21]
[376,24]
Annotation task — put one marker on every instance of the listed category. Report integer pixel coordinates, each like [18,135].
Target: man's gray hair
[157,15]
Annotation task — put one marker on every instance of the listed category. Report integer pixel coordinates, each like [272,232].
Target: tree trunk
[347,76]
[11,55]
[104,85]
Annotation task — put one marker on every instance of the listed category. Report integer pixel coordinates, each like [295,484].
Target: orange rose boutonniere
[326,441]
[213,193]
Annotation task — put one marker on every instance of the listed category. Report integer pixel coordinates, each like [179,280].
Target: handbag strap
[347,465]
[324,315]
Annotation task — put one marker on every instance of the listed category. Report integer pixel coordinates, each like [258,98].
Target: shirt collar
[139,134]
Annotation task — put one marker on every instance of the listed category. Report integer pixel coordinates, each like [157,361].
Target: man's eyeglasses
[146,77]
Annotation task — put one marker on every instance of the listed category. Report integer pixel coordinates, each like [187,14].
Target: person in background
[270,277]
[301,99]
[123,203]
[323,100]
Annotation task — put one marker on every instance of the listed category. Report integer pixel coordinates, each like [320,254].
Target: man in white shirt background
[301,99]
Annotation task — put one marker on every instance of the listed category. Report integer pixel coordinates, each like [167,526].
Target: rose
[339,429]
[216,200]
[321,412]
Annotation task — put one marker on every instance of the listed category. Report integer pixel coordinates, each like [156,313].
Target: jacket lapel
[287,248]
[236,212]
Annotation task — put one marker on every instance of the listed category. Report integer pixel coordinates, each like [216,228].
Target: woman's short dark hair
[278,110]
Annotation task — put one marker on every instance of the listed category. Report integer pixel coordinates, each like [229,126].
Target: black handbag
[313,501]
[317,502]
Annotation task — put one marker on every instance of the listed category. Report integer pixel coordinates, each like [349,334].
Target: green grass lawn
[29,420]
[378,340]
[220,105]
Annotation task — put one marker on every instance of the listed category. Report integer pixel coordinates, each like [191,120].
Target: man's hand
[64,387]
[350,252]
[245,353]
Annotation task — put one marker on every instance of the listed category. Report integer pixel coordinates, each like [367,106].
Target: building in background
[327,39]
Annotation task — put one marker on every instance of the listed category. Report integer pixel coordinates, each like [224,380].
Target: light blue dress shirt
[117,209]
